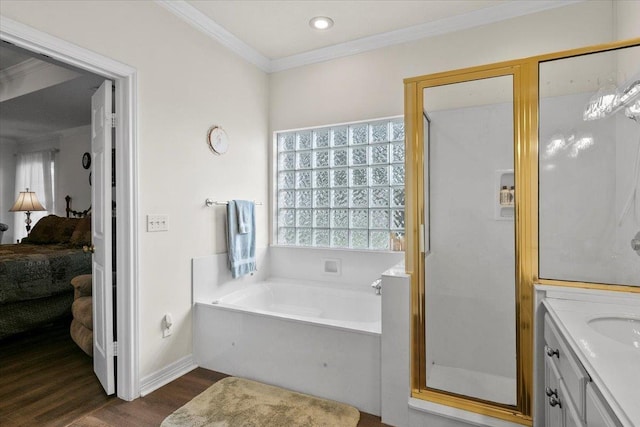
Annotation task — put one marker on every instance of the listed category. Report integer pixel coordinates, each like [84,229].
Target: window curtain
[34,171]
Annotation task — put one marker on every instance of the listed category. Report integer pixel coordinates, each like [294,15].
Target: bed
[35,274]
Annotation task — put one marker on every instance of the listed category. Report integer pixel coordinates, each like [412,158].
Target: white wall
[7,186]
[627,16]
[186,83]
[370,84]
[71,177]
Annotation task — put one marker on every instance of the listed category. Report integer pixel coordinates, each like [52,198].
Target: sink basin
[624,329]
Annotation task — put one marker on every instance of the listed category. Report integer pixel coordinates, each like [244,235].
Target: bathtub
[315,338]
[321,304]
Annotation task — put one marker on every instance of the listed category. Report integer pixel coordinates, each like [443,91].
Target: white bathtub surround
[314,339]
[356,267]
[211,278]
[315,330]
[394,346]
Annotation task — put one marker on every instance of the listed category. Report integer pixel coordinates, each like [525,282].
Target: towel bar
[209,203]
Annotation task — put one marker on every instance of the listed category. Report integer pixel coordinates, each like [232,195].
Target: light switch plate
[157,222]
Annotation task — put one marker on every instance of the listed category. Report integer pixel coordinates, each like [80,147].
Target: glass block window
[342,186]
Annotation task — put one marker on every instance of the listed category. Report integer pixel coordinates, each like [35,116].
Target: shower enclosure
[470,274]
[518,173]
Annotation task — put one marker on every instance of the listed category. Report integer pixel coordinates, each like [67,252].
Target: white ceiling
[44,111]
[278,29]
[272,34]
[275,35]
[9,58]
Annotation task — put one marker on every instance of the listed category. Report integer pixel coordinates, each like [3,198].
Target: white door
[101,130]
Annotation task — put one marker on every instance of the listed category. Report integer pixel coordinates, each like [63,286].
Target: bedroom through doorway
[45,107]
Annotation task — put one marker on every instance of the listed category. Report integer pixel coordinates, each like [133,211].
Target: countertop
[613,367]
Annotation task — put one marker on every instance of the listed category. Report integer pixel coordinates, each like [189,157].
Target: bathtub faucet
[377,285]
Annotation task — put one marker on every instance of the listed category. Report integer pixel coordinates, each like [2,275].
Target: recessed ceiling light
[321,23]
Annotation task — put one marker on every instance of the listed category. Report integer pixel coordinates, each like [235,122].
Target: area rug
[237,402]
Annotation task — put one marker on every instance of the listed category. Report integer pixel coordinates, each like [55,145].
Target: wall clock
[86,160]
[217,140]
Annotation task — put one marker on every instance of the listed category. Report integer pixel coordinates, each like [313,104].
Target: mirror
[589,167]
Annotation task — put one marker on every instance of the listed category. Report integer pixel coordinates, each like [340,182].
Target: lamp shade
[27,201]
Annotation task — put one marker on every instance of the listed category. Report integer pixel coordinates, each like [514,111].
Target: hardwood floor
[46,380]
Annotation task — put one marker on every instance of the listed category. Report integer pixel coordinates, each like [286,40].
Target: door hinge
[113,120]
[421,239]
[115,348]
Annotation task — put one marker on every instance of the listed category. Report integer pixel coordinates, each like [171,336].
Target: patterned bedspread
[30,272]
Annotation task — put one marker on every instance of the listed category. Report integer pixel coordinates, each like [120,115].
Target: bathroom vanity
[591,358]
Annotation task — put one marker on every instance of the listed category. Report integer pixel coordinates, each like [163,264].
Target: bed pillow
[52,229]
[82,234]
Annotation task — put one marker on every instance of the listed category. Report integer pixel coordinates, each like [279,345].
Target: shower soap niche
[504,211]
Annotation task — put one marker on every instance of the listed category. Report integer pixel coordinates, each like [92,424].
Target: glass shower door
[469,239]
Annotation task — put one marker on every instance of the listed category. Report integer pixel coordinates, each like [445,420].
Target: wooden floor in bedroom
[46,380]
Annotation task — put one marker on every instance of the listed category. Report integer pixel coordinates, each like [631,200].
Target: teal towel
[244,212]
[241,237]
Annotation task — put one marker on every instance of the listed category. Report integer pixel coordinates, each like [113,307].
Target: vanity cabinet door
[570,369]
[598,413]
[571,416]
[553,415]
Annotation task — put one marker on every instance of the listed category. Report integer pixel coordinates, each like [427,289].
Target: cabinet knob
[550,392]
[552,352]
[554,401]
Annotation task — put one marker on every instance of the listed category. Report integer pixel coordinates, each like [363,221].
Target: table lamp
[27,202]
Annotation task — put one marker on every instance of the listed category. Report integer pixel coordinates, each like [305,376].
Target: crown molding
[38,42]
[31,75]
[26,67]
[214,30]
[501,12]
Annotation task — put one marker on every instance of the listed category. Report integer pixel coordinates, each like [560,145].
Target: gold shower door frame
[525,125]
[414,131]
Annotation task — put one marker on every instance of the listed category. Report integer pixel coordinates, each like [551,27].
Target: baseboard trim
[167,374]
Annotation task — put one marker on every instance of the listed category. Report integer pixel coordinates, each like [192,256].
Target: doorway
[125,80]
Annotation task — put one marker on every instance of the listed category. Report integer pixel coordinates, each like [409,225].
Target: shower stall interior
[470,275]
[521,173]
